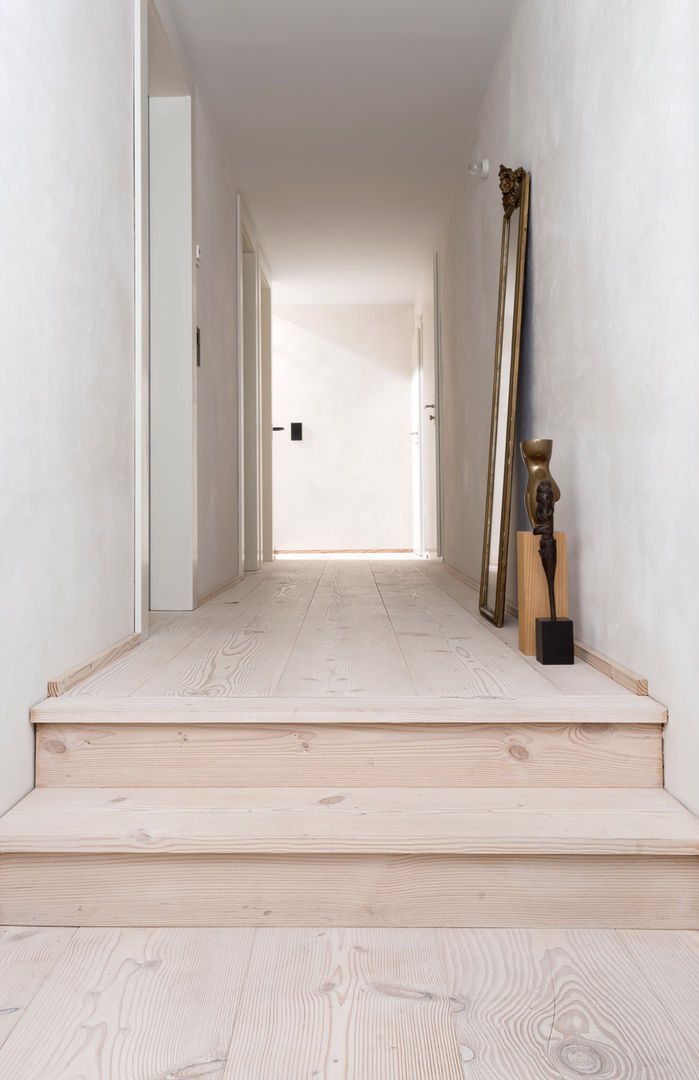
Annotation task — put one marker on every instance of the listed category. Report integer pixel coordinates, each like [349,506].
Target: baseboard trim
[613,670]
[219,589]
[62,683]
[620,674]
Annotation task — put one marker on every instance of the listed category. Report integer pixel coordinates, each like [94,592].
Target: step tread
[481,821]
[573,709]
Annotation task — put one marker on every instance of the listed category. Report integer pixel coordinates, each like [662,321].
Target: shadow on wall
[344,373]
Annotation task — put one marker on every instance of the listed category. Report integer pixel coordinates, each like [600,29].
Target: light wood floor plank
[365,754]
[344,1005]
[447,821]
[588,710]
[133,1005]
[347,645]
[338,1004]
[27,957]
[344,643]
[553,1004]
[669,962]
[349,890]
[577,678]
[245,649]
[448,651]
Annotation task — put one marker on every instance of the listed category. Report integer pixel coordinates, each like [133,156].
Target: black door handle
[277,429]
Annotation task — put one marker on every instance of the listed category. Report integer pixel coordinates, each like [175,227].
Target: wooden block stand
[532,591]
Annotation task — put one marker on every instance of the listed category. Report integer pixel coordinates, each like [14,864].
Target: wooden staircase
[331,811]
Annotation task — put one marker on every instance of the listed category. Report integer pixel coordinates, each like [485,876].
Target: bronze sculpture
[548,549]
[554,636]
[537,455]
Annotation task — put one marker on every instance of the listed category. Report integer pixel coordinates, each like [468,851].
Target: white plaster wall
[217,379]
[597,99]
[344,372]
[66,381]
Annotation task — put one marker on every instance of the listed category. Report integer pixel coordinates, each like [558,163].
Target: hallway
[285,279]
[358,628]
[337,743]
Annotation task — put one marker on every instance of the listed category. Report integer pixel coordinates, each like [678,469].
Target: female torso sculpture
[537,455]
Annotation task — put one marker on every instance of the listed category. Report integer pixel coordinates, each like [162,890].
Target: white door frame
[141,322]
[266,415]
[246,237]
[438,402]
[239,362]
[417,403]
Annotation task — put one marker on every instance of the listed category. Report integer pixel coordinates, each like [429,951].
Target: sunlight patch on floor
[366,555]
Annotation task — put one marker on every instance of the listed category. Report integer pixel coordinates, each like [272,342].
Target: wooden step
[352,856]
[613,741]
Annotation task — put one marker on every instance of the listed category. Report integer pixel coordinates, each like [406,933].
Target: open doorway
[189,477]
[342,418]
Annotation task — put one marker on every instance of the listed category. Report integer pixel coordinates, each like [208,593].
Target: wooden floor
[402,639]
[322,628]
[332,1004]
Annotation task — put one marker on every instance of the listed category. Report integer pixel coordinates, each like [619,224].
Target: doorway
[342,416]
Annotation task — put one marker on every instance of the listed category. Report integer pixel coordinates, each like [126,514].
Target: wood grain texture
[532,589]
[637,684]
[569,678]
[213,593]
[485,821]
[27,957]
[62,683]
[172,633]
[554,1004]
[357,1004]
[376,627]
[133,1005]
[558,709]
[354,1004]
[245,647]
[347,645]
[669,965]
[447,651]
[304,755]
[611,670]
[350,890]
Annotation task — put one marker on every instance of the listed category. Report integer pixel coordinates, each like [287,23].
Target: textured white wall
[217,380]
[344,372]
[66,382]
[597,99]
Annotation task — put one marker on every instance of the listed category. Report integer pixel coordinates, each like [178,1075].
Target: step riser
[349,755]
[356,890]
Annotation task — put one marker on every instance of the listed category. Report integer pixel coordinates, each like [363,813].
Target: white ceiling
[346,123]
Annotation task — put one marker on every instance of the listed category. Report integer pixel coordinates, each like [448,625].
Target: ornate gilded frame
[514,185]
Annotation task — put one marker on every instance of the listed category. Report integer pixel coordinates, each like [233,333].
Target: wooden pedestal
[532,591]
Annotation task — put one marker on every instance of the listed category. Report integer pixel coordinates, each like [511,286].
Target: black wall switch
[296,432]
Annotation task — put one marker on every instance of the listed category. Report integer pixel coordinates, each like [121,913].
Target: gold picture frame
[514,185]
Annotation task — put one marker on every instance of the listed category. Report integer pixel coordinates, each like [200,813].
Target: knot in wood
[583,1059]
[55,746]
[519,752]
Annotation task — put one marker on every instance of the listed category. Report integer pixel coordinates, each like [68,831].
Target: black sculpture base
[554,641]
